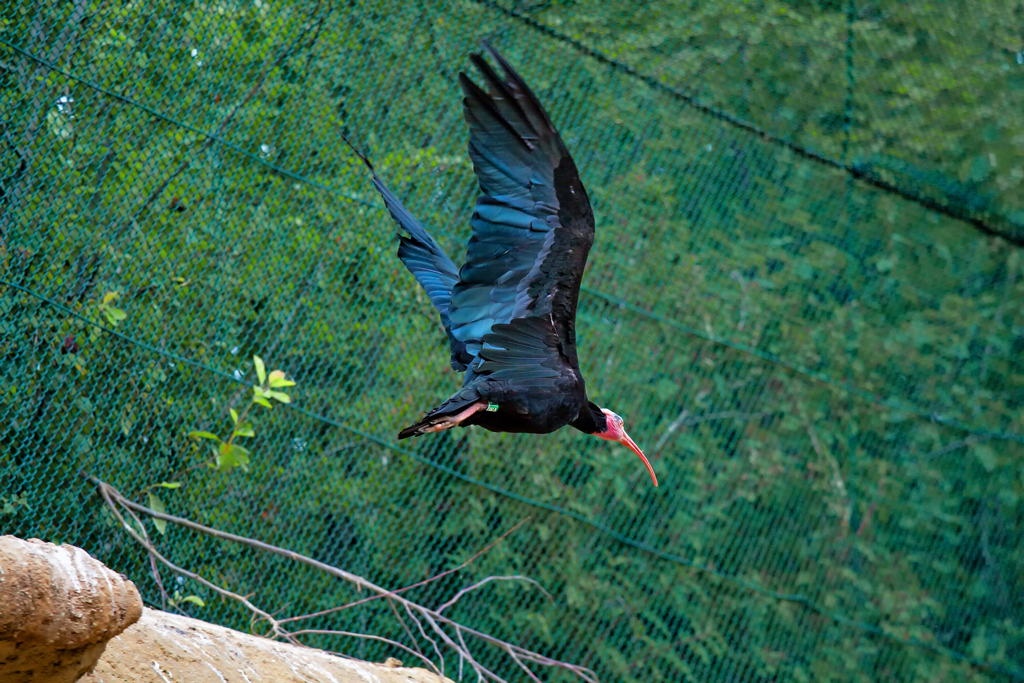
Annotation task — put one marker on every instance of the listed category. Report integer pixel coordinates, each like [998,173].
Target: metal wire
[819,351]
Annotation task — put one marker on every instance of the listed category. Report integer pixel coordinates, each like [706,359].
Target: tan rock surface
[58,608]
[168,648]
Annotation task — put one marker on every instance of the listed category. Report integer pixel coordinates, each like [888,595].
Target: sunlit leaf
[261,371]
[157,505]
[277,380]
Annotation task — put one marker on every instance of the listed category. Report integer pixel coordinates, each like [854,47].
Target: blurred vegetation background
[805,297]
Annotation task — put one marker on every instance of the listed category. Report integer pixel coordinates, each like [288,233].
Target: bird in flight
[510,311]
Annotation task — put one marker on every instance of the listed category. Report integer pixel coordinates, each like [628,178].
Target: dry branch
[446,632]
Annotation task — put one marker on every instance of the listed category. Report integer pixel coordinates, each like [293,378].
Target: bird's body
[510,311]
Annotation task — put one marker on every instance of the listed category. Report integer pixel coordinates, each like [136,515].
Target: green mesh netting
[799,299]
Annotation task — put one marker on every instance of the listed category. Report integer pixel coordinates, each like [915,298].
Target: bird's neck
[591,420]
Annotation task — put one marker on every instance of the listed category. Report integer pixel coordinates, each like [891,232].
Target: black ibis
[510,311]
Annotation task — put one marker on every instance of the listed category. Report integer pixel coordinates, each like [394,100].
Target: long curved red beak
[631,445]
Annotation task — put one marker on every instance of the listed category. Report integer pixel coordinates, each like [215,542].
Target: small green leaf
[277,380]
[195,600]
[261,371]
[158,506]
[244,430]
[170,484]
[234,415]
[257,398]
[231,455]
[280,396]
[203,435]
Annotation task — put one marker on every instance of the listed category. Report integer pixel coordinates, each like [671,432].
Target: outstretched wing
[429,264]
[425,259]
[533,226]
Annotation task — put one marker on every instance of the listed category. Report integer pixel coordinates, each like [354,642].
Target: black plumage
[510,311]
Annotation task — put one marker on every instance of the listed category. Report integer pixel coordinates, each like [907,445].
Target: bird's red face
[616,432]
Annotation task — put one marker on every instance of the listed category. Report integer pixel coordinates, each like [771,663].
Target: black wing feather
[425,259]
[533,226]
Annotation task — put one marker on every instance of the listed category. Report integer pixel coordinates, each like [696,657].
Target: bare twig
[153,567]
[110,494]
[350,634]
[415,585]
[727,414]
[957,445]
[478,584]
[423,633]
[997,319]
[842,505]
[334,450]
[687,420]
[738,277]
[671,429]
[437,622]
[405,627]
[533,676]
[481,671]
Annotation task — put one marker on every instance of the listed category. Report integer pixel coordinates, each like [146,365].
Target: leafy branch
[106,306]
[228,454]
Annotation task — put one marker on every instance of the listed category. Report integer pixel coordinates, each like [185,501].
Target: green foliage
[112,315]
[827,378]
[155,503]
[228,454]
[9,505]
[178,600]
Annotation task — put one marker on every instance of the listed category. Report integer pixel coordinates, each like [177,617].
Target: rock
[58,608]
[64,617]
[169,648]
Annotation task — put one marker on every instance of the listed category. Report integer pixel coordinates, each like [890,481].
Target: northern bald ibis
[510,311]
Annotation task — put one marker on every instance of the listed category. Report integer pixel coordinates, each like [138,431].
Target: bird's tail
[417,429]
[429,423]
[449,414]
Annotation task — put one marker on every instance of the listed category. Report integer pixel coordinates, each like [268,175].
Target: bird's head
[614,431]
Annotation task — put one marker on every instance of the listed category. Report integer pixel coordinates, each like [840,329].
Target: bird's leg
[454,420]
